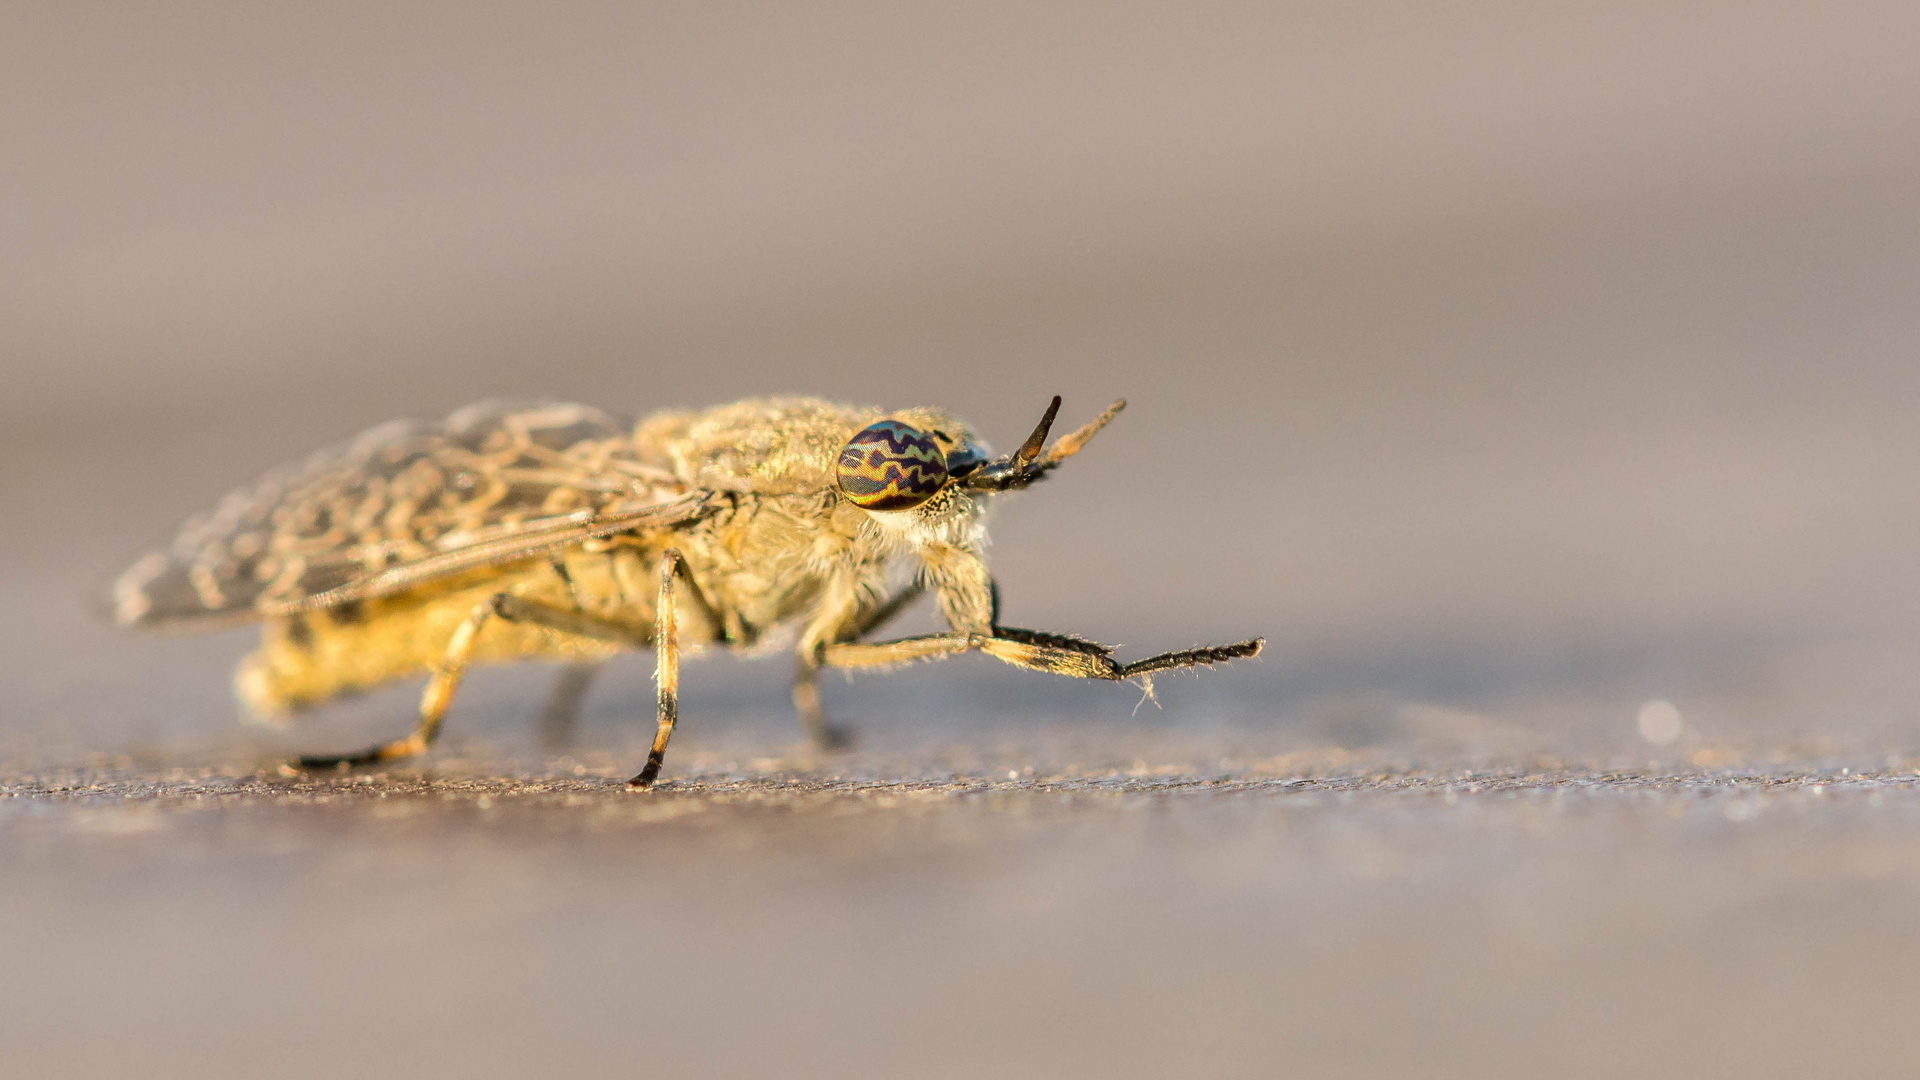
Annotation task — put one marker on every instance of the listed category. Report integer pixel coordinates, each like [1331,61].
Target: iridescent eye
[891,466]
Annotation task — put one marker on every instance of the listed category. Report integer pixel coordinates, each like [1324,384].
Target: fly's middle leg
[560,716]
[666,672]
[806,691]
[665,641]
[824,734]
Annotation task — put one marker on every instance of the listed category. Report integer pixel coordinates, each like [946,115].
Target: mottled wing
[403,504]
[511,545]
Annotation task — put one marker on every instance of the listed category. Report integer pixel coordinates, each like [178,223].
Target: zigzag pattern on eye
[899,437]
[892,477]
[891,466]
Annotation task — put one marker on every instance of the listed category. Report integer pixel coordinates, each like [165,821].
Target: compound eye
[891,466]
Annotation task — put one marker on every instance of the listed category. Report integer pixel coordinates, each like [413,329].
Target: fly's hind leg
[433,702]
[453,667]
[665,641]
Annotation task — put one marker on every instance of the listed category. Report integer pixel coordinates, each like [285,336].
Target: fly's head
[923,474]
[906,471]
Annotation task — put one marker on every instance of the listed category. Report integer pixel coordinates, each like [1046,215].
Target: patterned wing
[403,504]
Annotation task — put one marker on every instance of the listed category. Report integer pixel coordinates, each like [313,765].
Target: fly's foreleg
[1186,658]
[1058,654]
[971,601]
[898,651]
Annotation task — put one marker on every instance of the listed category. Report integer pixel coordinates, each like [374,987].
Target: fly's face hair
[557,531]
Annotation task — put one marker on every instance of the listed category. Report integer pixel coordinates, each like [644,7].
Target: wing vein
[577,528]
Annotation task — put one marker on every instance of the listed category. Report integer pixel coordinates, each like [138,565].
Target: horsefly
[556,531]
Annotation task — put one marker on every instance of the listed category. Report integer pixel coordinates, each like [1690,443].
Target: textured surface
[1488,923]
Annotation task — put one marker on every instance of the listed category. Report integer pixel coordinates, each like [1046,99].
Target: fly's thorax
[795,446]
[766,559]
[766,446]
[787,451]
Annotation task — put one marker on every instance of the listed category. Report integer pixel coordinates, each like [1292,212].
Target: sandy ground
[1327,911]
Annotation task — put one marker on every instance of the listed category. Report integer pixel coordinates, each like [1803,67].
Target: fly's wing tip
[158,592]
[132,599]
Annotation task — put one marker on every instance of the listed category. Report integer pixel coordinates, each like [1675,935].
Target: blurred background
[1516,358]
[1540,379]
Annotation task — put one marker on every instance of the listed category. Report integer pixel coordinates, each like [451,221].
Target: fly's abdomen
[309,659]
